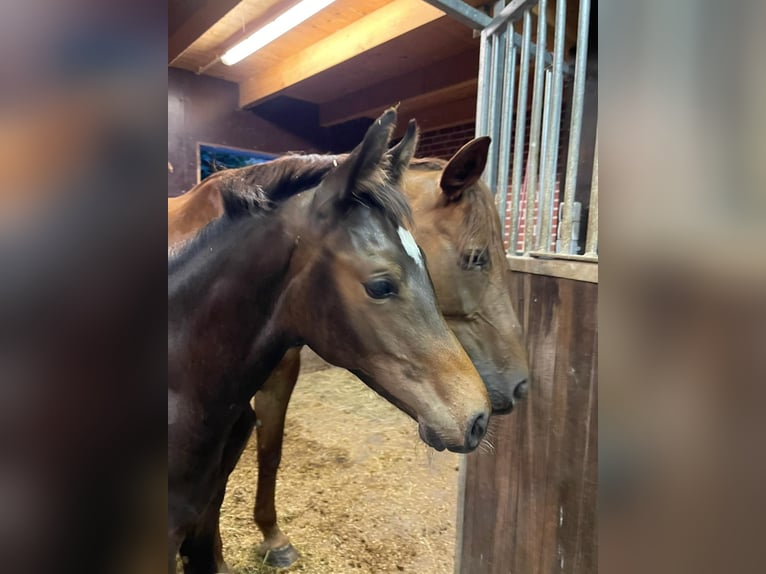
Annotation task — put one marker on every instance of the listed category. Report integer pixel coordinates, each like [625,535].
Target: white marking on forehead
[408,242]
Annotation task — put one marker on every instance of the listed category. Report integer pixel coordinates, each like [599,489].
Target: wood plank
[204,109]
[422,47]
[580,270]
[199,22]
[386,23]
[531,505]
[365,102]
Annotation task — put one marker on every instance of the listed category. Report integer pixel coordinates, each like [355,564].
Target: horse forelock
[378,192]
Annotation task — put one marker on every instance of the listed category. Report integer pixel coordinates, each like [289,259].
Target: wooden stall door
[530,507]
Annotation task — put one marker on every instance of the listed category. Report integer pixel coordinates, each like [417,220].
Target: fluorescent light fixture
[286,21]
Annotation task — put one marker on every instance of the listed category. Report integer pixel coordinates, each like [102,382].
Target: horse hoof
[281,557]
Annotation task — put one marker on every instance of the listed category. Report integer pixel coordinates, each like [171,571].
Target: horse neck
[190,212]
[221,305]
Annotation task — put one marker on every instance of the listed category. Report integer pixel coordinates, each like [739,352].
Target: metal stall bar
[510,13]
[534,130]
[591,240]
[543,155]
[575,128]
[496,107]
[462,12]
[495,101]
[504,147]
[482,90]
[552,139]
[521,118]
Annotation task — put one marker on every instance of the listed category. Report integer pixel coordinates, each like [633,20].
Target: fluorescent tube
[286,21]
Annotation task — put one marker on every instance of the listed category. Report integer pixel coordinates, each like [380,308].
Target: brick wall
[445,142]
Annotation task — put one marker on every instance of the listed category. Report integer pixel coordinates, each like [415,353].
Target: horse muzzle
[504,396]
[474,434]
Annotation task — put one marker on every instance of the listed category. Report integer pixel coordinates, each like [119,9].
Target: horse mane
[253,190]
[481,223]
[260,187]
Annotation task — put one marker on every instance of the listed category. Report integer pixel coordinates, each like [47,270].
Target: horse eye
[475,259]
[380,288]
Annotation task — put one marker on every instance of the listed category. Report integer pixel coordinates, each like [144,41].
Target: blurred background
[683,298]
[82,168]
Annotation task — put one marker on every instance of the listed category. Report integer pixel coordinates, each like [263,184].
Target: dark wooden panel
[203,109]
[530,507]
[432,78]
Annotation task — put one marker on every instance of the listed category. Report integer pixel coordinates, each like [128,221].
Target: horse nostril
[476,430]
[521,390]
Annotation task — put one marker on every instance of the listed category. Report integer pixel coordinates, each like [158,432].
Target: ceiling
[351,60]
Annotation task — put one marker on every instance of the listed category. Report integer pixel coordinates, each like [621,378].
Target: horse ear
[401,154]
[465,168]
[363,163]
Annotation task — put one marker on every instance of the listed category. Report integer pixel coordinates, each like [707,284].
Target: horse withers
[333,267]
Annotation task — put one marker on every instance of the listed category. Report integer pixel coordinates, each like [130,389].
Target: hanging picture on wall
[213,158]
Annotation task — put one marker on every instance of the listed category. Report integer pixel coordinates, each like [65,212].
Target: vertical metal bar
[521,118]
[543,155]
[575,126]
[591,240]
[551,152]
[482,91]
[534,129]
[494,98]
[496,106]
[509,91]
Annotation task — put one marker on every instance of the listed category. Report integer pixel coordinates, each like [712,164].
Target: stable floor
[358,491]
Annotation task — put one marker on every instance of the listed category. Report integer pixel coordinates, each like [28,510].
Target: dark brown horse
[457,226]
[332,267]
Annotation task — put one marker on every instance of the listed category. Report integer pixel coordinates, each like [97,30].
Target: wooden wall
[204,109]
[530,507]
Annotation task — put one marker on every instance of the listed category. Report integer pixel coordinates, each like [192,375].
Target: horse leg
[270,404]
[175,538]
[203,551]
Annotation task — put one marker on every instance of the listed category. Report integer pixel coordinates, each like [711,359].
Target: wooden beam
[442,75]
[437,116]
[386,23]
[582,270]
[199,22]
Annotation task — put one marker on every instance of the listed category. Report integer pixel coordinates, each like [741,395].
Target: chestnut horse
[457,226]
[332,267]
